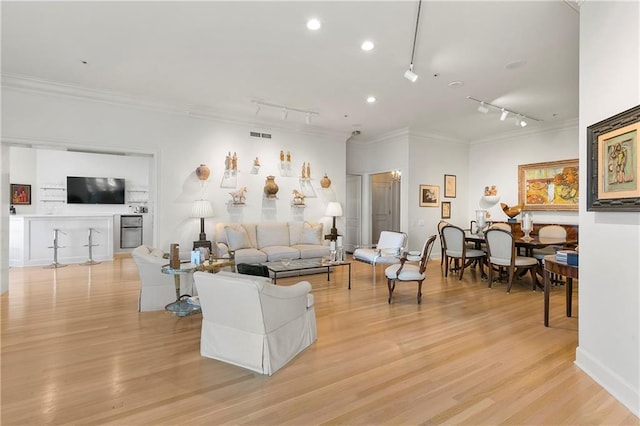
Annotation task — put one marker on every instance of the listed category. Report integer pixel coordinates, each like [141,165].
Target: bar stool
[55,248]
[91,245]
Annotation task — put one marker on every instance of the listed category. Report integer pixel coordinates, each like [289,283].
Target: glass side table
[181,307]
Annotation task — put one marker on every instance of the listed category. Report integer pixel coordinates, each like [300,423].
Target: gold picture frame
[613,163]
[552,185]
[429,196]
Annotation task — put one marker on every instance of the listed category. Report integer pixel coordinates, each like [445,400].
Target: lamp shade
[333,209]
[201,208]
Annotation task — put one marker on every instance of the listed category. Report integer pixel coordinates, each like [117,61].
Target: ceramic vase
[203,172]
[325,182]
[271,187]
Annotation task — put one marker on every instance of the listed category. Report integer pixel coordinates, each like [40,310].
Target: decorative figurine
[271,187]
[298,198]
[325,182]
[234,162]
[308,170]
[281,156]
[304,171]
[256,162]
[203,172]
[239,195]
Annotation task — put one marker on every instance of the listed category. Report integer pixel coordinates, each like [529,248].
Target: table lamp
[202,209]
[334,209]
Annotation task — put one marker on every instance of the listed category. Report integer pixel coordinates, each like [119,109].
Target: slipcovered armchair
[251,323]
[387,251]
[157,289]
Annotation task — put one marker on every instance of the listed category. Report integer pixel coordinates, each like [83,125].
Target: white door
[353,213]
[381,205]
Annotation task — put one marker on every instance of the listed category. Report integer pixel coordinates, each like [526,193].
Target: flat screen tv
[95,190]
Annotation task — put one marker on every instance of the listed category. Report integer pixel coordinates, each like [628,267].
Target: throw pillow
[237,239]
[311,233]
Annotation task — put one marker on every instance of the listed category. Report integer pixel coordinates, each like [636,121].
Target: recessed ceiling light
[515,64]
[456,84]
[371,99]
[367,45]
[313,24]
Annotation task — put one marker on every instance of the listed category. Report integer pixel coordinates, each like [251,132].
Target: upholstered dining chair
[499,225]
[441,225]
[501,253]
[407,270]
[549,232]
[387,250]
[455,248]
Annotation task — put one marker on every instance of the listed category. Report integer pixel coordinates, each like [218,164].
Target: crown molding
[385,137]
[518,133]
[69,145]
[40,86]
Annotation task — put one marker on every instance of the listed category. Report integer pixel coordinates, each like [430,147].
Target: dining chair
[408,270]
[499,225]
[441,225]
[456,249]
[552,232]
[501,253]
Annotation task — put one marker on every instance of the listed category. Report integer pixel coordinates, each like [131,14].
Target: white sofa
[269,241]
[251,323]
[157,289]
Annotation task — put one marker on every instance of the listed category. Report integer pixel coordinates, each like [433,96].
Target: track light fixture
[285,110]
[504,112]
[409,74]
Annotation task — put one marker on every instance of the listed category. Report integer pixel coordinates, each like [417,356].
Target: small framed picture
[450,186]
[446,210]
[20,194]
[429,195]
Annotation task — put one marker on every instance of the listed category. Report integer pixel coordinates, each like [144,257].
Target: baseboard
[617,386]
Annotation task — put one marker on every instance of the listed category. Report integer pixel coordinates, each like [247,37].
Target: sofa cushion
[272,234]
[250,255]
[237,238]
[280,252]
[157,252]
[311,233]
[308,251]
[295,232]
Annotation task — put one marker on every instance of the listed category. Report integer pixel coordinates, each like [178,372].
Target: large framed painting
[549,186]
[429,196]
[613,169]
[20,194]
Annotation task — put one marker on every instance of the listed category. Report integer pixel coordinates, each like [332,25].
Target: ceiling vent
[254,134]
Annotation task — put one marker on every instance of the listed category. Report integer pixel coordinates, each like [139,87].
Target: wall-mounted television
[95,190]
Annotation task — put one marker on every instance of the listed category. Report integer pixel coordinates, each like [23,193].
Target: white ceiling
[215,57]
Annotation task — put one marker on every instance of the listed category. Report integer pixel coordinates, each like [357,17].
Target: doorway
[385,203]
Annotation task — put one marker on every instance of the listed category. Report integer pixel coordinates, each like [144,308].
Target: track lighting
[284,110]
[504,113]
[409,74]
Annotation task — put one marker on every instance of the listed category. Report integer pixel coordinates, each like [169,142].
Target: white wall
[430,158]
[609,301]
[4,219]
[495,162]
[180,143]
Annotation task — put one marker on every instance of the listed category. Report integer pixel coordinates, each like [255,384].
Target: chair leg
[419,292]
[490,274]
[462,266]
[441,255]
[391,284]
[511,274]
[446,265]
[534,279]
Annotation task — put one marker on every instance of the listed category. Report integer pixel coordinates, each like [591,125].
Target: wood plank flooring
[76,351]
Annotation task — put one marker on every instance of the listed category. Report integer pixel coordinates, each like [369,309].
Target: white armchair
[251,323]
[157,289]
[387,251]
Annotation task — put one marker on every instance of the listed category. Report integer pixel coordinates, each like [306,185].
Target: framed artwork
[20,194]
[549,186]
[613,169]
[450,186]
[429,195]
[446,210]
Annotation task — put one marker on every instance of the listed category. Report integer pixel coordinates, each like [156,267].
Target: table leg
[547,281]
[328,273]
[349,275]
[176,281]
[569,290]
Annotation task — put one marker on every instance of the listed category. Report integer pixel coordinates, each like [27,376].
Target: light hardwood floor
[76,351]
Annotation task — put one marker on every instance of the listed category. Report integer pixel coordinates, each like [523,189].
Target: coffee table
[278,267]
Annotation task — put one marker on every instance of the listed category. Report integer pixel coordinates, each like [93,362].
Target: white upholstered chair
[501,253]
[549,232]
[157,289]
[410,269]
[387,250]
[251,323]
